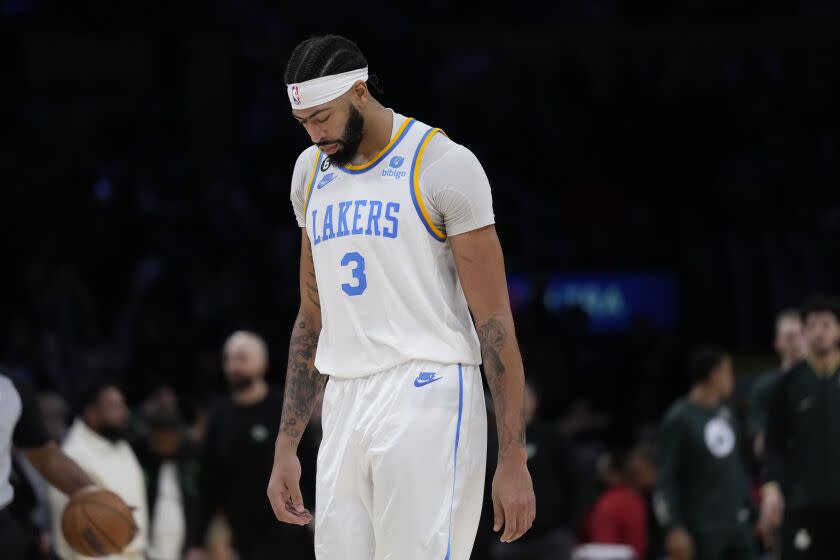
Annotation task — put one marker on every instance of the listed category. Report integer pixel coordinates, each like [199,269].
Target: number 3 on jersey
[358,274]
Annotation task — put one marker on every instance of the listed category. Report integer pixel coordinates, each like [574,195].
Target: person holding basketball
[96,441]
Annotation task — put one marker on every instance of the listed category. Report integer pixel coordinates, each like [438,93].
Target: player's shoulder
[306,158]
[15,382]
[304,168]
[443,149]
[677,412]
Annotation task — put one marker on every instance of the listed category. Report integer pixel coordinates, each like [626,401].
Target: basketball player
[397,248]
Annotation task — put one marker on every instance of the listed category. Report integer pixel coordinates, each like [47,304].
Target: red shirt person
[620,514]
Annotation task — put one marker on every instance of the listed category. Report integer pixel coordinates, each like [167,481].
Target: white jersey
[389,290]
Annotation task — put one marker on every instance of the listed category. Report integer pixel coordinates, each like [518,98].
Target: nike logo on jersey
[425,378]
[325,180]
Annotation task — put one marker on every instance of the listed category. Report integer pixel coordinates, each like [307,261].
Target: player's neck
[825,363]
[704,397]
[252,395]
[379,124]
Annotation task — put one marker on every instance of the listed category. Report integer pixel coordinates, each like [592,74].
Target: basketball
[97,523]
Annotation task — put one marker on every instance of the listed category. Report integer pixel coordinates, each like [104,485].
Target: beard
[112,433]
[238,382]
[350,140]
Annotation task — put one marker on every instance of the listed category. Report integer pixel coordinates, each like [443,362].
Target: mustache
[327,142]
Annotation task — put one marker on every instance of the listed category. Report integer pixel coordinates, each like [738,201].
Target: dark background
[146,150]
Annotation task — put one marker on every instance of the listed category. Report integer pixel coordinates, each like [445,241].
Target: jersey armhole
[416,195]
[316,166]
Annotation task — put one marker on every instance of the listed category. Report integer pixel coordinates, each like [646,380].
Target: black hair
[704,361]
[821,304]
[91,392]
[163,419]
[325,55]
[617,457]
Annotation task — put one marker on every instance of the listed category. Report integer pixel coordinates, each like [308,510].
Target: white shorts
[401,465]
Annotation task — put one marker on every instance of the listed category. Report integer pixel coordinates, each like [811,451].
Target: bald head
[245,359]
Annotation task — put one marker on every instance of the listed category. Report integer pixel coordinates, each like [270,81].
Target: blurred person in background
[237,457]
[54,413]
[802,451]
[620,514]
[170,463]
[21,426]
[97,442]
[790,346]
[641,474]
[554,471]
[31,505]
[702,498]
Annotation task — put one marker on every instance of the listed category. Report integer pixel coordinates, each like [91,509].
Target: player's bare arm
[303,385]
[57,468]
[480,263]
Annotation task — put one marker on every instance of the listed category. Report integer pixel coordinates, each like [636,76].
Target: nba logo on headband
[317,91]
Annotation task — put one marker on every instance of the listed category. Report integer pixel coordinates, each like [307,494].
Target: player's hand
[772,511]
[678,545]
[514,504]
[284,490]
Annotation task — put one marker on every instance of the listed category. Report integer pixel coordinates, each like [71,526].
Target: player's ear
[361,95]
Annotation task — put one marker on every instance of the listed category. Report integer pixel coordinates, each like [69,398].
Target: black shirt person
[237,457]
[21,426]
[803,442]
[790,347]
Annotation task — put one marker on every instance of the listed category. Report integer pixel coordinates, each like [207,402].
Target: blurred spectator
[171,467]
[554,471]
[620,514]
[53,409]
[641,473]
[21,425]
[237,457]
[803,443]
[31,504]
[702,496]
[790,346]
[97,442]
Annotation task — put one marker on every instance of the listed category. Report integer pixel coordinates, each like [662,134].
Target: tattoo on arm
[312,291]
[493,338]
[303,381]
[311,282]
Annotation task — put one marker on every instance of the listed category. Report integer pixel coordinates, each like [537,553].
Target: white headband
[323,90]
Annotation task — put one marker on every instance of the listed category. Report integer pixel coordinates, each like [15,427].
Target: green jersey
[701,484]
